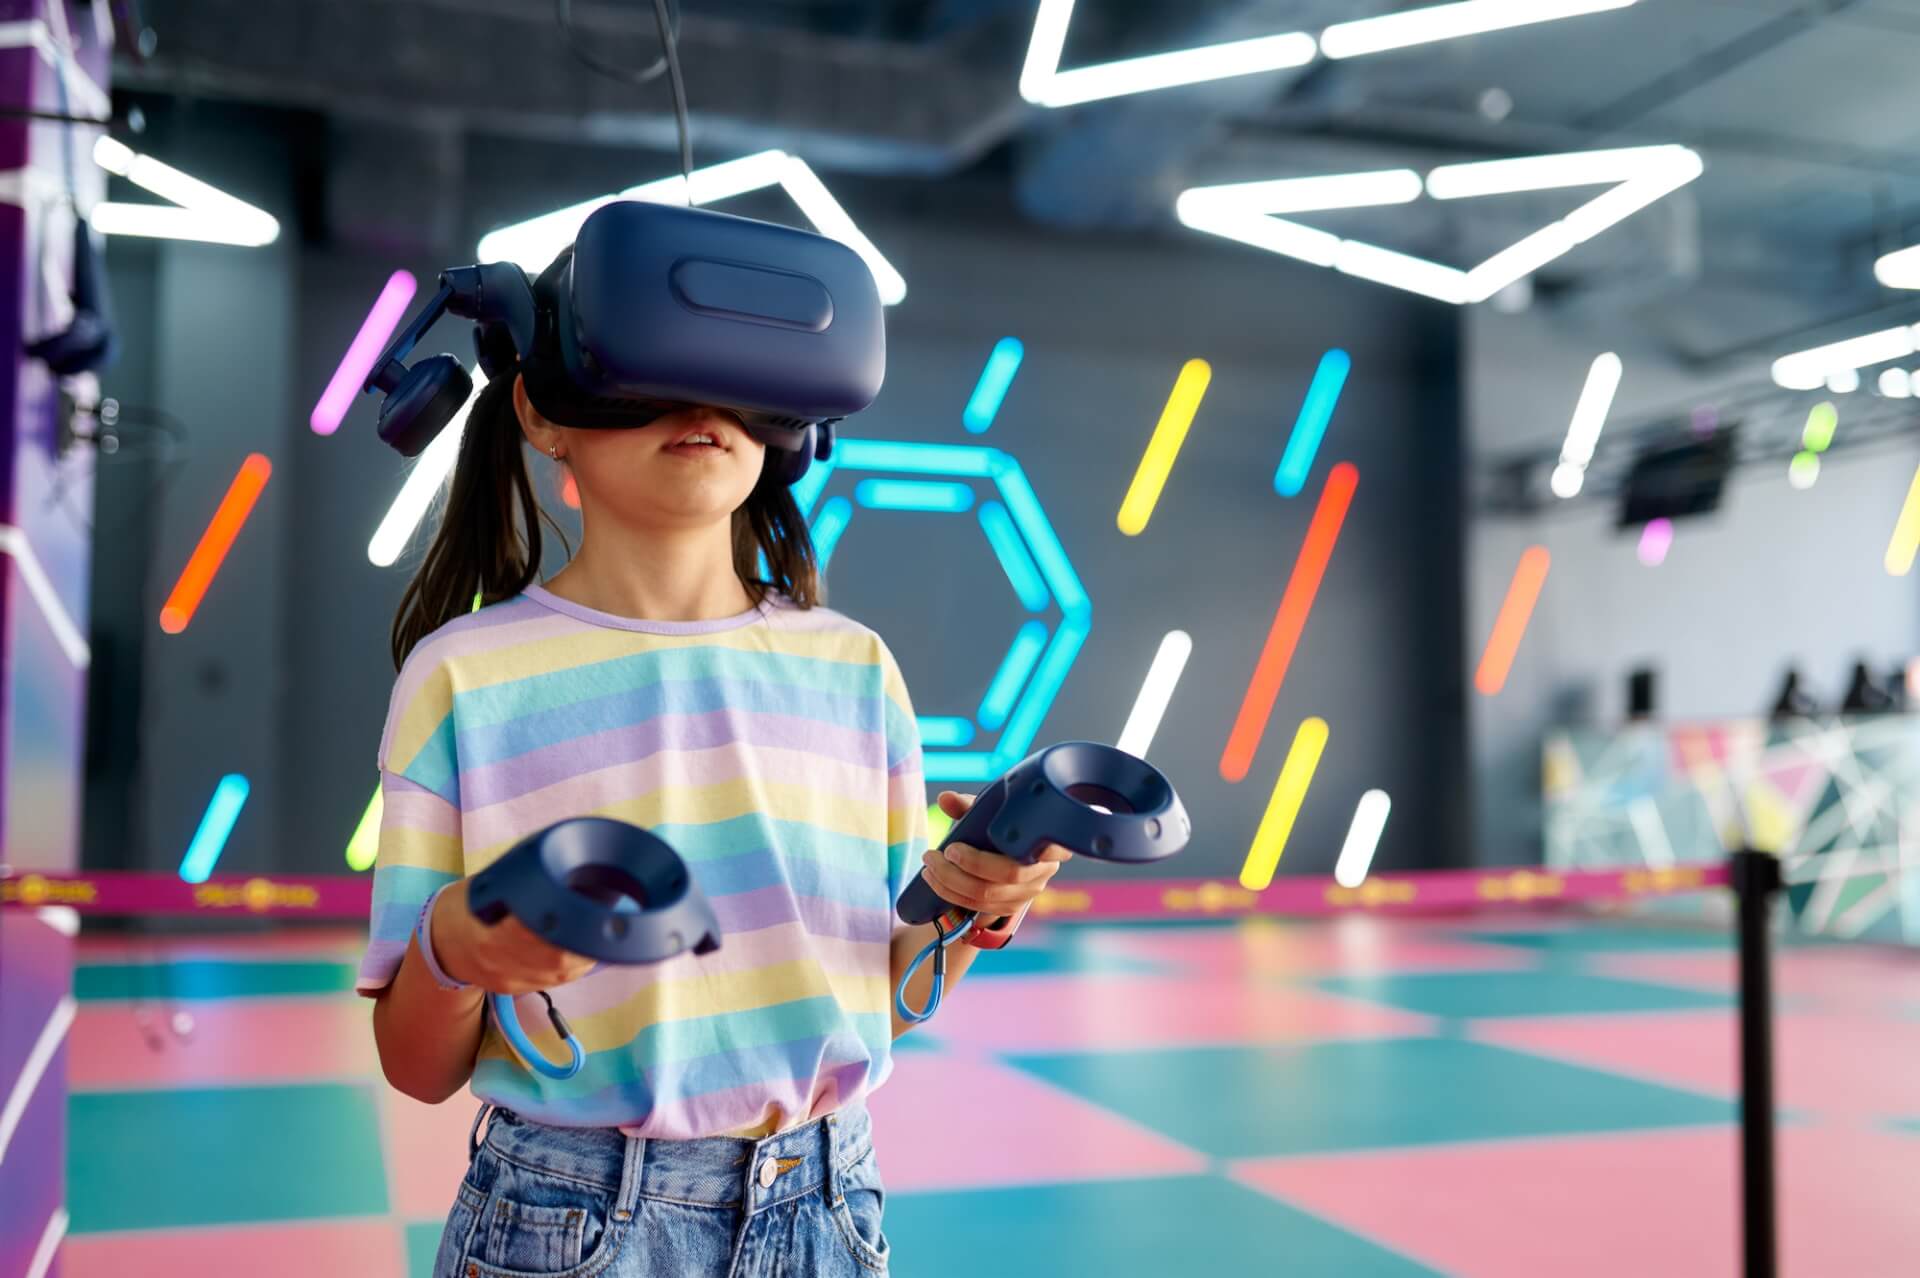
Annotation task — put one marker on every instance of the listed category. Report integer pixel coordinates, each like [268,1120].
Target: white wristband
[423,937]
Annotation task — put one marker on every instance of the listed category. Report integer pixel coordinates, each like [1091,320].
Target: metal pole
[1756,879]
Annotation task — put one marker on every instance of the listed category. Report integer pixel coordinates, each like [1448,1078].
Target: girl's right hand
[501,958]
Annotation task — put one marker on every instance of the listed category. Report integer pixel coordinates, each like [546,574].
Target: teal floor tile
[1192,1225]
[210,978]
[147,1159]
[1551,991]
[1603,939]
[1249,1102]
[423,1246]
[1055,960]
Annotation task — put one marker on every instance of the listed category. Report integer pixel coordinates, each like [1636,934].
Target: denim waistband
[719,1171]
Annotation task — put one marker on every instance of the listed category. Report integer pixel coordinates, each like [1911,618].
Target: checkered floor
[1363,1098]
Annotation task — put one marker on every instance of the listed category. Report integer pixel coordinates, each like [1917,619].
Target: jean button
[768,1172]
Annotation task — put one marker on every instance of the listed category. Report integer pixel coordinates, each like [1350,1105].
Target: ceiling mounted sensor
[1043,83]
[1250,213]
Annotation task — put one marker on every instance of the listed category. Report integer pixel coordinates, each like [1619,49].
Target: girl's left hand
[992,885]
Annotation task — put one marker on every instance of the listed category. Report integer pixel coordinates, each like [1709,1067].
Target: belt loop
[476,1135]
[632,1166]
[831,1137]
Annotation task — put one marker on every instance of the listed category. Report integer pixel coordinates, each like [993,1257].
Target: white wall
[1776,576]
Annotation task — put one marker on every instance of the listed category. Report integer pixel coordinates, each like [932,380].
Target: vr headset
[655,308]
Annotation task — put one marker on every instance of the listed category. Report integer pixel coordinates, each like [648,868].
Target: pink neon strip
[388,310]
[349,896]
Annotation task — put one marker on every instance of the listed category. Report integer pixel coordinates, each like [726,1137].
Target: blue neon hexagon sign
[942,478]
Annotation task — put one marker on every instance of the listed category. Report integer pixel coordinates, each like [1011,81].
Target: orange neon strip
[570,492]
[1511,625]
[1289,621]
[215,543]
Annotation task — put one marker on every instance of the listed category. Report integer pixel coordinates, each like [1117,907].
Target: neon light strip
[1511,625]
[569,491]
[914,494]
[1323,395]
[204,564]
[1157,462]
[535,242]
[66,633]
[938,824]
[916,459]
[833,520]
[1025,724]
[1906,533]
[945,731]
[1410,27]
[39,1056]
[967,765]
[429,472]
[1156,691]
[1363,837]
[1289,621]
[1656,539]
[210,840]
[995,378]
[388,310]
[1046,547]
[1013,556]
[363,849]
[50,1240]
[199,211]
[1022,654]
[1289,791]
[1044,84]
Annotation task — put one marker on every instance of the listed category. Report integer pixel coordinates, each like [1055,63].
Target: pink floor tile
[361,1248]
[1038,1134]
[1112,1011]
[1353,945]
[426,1151]
[1857,977]
[1653,1203]
[255,1041]
[1832,1063]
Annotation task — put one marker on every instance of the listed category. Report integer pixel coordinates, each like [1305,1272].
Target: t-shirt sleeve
[906,781]
[420,846]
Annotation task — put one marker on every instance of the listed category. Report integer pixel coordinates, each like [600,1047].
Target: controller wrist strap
[948,930]
[535,1060]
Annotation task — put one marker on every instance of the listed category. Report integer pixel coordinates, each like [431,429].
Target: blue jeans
[588,1201]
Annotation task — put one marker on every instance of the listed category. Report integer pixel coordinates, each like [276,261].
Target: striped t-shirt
[776,751]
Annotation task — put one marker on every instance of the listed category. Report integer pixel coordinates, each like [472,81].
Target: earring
[555,450]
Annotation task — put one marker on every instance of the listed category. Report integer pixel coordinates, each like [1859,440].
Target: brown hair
[488,543]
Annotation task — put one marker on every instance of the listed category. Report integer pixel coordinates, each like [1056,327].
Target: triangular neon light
[537,241]
[196,210]
[1043,83]
[1248,212]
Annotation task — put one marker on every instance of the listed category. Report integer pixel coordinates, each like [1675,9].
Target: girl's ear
[540,432]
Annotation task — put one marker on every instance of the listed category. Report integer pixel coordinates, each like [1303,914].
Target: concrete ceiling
[1803,109]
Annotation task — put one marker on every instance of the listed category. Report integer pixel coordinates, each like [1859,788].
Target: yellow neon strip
[363,849]
[1157,462]
[1906,533]
[1296,774]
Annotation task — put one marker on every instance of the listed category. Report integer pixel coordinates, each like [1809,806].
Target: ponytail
[488,542]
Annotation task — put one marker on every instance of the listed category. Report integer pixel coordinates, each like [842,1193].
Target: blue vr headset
[654,308]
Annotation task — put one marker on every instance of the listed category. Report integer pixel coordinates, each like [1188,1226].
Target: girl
[718,1126]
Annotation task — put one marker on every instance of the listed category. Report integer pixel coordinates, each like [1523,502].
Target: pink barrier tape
[343,896]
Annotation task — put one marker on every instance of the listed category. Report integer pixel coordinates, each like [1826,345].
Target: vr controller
[1091,799]
[654,308]
[600,888]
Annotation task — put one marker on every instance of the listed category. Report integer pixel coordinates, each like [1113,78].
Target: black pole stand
[1756,879]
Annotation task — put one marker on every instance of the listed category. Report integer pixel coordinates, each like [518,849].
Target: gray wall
[297,624]
[1775,576]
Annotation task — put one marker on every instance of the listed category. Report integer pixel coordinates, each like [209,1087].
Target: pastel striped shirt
[776,751]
